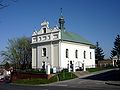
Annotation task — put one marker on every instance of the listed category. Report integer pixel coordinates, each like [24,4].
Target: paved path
[99,80]
[89,82]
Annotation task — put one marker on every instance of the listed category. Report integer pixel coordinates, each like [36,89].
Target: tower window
[55,36]
[84,54]
[39,38]
[44,37]
[76,53]
[44,30]
[48,37]
[66,53]
[44,52]
[34,39]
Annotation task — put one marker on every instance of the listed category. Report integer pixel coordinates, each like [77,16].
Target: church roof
[73,37]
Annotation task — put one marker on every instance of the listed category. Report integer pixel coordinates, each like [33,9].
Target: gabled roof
[70,36]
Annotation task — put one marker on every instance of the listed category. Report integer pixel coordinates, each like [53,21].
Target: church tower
[61,21]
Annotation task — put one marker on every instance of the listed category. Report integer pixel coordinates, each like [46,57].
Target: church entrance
[43,65]
[71,66]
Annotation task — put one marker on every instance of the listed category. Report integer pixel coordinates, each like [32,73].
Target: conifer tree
[99,54]
[116,48]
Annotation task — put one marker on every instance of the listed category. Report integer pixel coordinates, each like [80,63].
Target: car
[1,78]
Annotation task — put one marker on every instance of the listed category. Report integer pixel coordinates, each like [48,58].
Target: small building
[104,63]
[61,48]
[115,60]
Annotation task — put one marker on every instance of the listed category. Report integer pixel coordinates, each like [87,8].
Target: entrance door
[71,66]
[43,65]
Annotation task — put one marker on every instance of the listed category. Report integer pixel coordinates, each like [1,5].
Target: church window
[44,52]
[44,37]
[34,39]
[76,53]
[84,54]
[39,38]
[44,30]
[90,55]
[55,36]
[43,65]
[48,37]
[66,53]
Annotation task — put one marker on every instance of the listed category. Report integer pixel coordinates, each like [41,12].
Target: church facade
[60,48]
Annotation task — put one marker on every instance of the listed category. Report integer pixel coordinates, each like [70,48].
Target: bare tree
[6,3]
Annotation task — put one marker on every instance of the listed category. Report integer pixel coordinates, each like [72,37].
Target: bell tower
[61,21]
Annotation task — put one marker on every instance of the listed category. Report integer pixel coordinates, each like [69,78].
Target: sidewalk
[116,83]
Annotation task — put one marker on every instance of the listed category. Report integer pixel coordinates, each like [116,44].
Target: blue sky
[95,20]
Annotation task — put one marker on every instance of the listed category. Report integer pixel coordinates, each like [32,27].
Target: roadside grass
[98,69]
[66,76]
[58,77]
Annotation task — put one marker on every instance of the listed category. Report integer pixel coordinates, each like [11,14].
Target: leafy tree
[99,54]
[116,48]
[18,52]
[7,65]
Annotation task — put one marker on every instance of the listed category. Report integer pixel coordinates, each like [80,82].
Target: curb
[116,83]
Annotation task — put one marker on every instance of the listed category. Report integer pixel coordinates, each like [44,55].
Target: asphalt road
[94,82]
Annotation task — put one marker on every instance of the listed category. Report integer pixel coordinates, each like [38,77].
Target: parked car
[5,76]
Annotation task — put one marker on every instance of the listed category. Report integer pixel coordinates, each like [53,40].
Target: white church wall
[33,57]
[71,57]
[47,58]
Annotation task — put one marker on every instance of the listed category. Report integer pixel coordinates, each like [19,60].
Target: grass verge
[97,69]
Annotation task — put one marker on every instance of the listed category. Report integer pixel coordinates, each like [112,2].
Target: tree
[18,52]
[116,48]
[99,54]
[7,65]
[5,3]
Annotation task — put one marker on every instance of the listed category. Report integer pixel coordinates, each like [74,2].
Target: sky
[95,20]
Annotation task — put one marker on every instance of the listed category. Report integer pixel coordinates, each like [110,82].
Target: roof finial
[61,11]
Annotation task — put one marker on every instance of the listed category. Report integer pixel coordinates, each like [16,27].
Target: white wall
[33,57]
[81,48]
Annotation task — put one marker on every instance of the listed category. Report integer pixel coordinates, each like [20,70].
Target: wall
[81,48]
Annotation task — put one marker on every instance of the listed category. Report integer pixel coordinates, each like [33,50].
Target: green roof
[69,36]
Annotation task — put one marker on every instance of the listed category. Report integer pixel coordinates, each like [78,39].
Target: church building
[60,48]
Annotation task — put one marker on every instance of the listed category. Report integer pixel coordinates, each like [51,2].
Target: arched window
[76,53]
[90,55]
[44,52]
[66,53]
[84,54]
[44,30]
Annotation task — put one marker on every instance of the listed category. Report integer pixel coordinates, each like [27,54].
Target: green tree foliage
[7,65]
[18,52]
[99,54]
[116,48]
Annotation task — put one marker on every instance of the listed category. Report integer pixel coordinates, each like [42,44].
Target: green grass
[66,76]
[97,69]
[94,69]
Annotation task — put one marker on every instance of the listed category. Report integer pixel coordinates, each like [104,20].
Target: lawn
[97,69]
